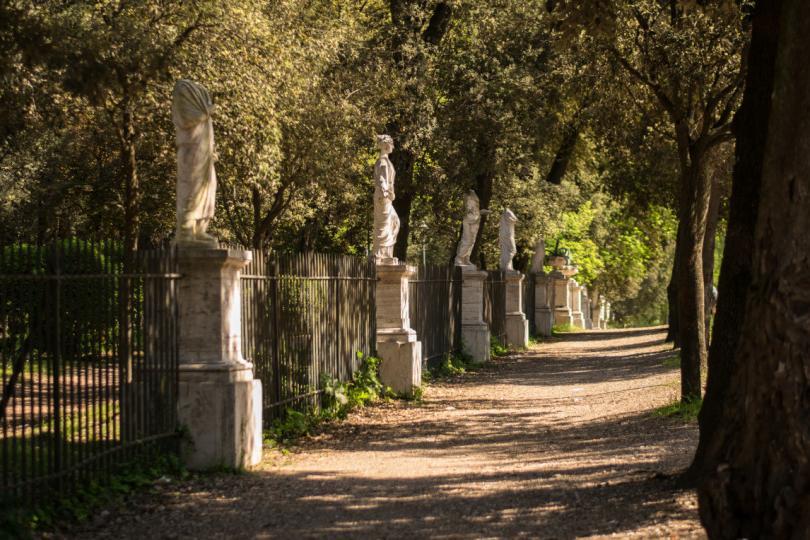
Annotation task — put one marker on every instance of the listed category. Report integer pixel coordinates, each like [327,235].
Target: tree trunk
[484,180]
[403,161]
[672,292]
[760,487]
[751,126]
[695,194]
[709,244]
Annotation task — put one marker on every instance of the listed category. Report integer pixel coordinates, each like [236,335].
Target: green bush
[496,348]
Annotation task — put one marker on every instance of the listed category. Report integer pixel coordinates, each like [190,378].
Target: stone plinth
[474,331]
[397,344]
[219,403]
[561,298]
[577,318]
[543,314]
[517,326]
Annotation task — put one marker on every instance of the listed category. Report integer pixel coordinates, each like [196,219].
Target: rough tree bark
[672,292]
[750,126]
[761,485]
[695,191]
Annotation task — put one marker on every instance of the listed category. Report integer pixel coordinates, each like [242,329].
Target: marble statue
[470,224]
[386,220]
[506,239]
[196,180]
[539,257]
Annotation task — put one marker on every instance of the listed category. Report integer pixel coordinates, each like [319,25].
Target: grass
[496,348]
[20,521]
[564,328]
[453,364]
[686,411]
[673,361]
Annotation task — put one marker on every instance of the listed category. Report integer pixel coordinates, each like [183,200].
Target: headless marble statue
[196,180]
[539,257]
[470,224]
[506,239]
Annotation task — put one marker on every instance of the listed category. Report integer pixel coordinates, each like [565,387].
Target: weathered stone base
[475,342]
[577,319]
[517,331]
[563,316]
[401,366]
[543,320]
[221,410]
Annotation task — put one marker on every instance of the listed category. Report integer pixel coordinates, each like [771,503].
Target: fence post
[219,401]
[543,316]
[517,326]
[397,344]
[474,331]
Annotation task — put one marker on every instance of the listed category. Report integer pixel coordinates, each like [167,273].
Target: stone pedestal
[517,326]
[219,403]
[561,298]
[397,344]
[543,314]
[474,331]
[577,318]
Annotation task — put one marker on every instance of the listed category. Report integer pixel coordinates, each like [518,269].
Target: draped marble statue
[470,224]
[539,257]
[196,180]
[506,239]
[386,220]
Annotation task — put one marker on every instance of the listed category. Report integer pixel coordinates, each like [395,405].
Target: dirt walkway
[558,442]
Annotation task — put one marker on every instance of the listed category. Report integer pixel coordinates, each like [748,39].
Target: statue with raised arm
[506,239]
[196,180]
[386,220]
[469,229]
[539,257]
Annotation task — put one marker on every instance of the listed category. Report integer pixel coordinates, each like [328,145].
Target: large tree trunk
[760,487]
[484,180]
[695,194]
[751,126]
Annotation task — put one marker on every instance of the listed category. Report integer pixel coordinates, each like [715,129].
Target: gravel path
[557,442]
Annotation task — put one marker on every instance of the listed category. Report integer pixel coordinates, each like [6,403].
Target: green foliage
[19,521]
[453,364]
[687,411]
[339,398]
[565,328]
[496,348]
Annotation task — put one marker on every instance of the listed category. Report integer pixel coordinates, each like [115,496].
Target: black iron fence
[88,352]
[528,301]
[435,310]
[304,316]
[495,304]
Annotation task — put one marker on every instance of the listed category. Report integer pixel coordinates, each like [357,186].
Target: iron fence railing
[435,310]
[495,304]
[304,316]
[88,352]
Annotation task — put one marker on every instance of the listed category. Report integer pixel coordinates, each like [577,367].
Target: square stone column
[517,326]
[586,309]
[543,314]
[561,298]
[576,305]
[397,345]
[219,403]
[607,314]
[474,331]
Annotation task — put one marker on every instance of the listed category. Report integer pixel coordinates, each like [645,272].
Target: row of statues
[192,110]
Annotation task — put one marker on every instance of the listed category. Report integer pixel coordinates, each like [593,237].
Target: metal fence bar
[435,310]
[88,353]
[495,304]
[305,316]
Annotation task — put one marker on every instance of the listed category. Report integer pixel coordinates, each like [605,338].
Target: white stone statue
[506,239]
[470,224]
[196,180]
[386,220]
[539,257]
